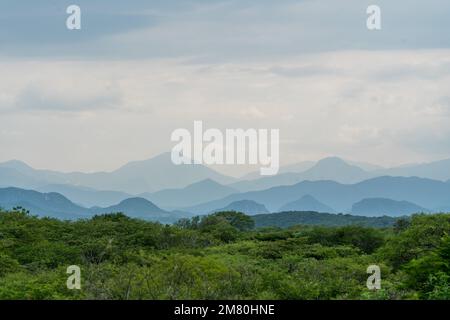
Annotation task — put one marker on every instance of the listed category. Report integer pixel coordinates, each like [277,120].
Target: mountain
[42,204]
[364,165]
[292,168]
[331,168]
[335,169]
[281,179]
[86,197]
[342,171]
[437,170]
[426,193]
[202,191]
[383,206]
[306,203]
[136,177]
[289,219]
[56,205]
[12,177]
[134,207]
[245,206]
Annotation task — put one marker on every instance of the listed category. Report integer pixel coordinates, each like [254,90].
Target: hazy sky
[96,98]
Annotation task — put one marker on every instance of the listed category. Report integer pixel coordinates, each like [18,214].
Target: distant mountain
[245,206]
[437,170]
[42,204]
[202,191]
[342,171]
[289,219]
[56,205]
[364,165]
[11,177]
[307,203]
[426,193]
[382,207]
[86,197]
[281,179]
[136,177]
[292,168]
[331,168]
[134,207]
[335,169]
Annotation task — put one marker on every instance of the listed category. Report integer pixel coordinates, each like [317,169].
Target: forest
[221,256]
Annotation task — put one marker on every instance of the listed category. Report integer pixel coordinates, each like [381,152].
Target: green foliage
[366,239]
[221,256]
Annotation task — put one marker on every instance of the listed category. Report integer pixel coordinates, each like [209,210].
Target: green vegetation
[292,218]
[221,256]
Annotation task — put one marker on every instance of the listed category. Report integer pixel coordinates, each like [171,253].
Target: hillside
[43,204]
[383,206]
[426,193]
[135,177]
[136,208]
[289,219]
[306,203]
[202,191]
[245,206]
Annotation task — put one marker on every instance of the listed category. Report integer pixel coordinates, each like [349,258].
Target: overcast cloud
[114,91]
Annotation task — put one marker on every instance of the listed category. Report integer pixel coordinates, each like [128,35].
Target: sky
[96,98]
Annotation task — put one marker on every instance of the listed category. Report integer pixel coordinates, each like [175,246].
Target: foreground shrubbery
[221,257]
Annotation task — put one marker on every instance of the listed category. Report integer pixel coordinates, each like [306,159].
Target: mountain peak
[306,203]
[245,206]
[137,201]
[16,164]
[332,161]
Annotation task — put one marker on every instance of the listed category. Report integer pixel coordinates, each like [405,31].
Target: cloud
[38,98]
[219,30]
[73,115]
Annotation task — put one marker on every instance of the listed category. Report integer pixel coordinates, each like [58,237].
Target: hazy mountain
[281,179]
[292,168]
[135,177]
[288,219]
[56,205]
[86,197]
[202,191]
[437,170]
[134,207]
[332,168]
[245,206]
[424,192]
[306,203]
[42,204]
[364,165]
[12,177]
[335,169]
[383,206]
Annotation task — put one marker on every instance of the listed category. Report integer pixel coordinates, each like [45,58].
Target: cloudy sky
[96,98]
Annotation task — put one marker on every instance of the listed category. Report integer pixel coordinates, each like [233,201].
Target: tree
[238,220]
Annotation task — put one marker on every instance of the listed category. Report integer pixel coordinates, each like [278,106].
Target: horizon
[350,162]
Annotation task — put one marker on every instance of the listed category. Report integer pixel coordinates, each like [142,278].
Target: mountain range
[381,207]
[426,193]
[338,170]
[55,205]
[193,194]
[306,203]
[245,206]
[136,177]
[329,185]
